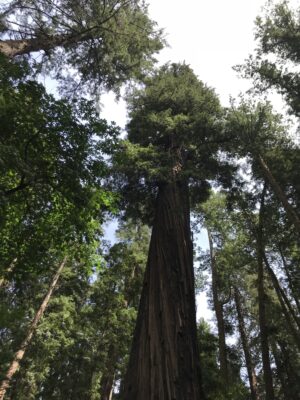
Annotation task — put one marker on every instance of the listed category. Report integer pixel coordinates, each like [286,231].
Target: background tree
[101,43]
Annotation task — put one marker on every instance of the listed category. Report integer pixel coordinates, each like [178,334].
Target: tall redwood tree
[172,135]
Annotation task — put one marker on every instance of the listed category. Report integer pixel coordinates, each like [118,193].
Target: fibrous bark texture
[164,361]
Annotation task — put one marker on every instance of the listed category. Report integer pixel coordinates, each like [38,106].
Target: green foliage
[174,133]
[89,322]
[212,384]
[52,168]
[275,62]
[101,43]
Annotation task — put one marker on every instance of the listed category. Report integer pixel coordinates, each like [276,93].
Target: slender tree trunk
[291,213]
[164,360]
[8,271]
[14,366]
[246,348]
[108,377]
[289,313]
[268,380]
[290,281]
[289,374]
[106,389]
[280,371]
[218,306]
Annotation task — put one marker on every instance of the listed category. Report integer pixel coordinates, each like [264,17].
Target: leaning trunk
[245,344]
[14,366]
[287,309]
[218,306]
[164,360]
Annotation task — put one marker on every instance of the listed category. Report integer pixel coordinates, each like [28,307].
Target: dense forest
[83,318]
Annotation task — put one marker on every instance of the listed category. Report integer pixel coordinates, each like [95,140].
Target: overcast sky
[211,36]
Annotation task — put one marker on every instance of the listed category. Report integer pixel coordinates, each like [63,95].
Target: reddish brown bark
[14,366]
[164,360]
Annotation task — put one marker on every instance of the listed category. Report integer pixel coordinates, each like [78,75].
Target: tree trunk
[16,47]
[280,370]
[289,313]
[164,360]
[245,344]
[218,306]
[14,366]
[290,281]
[106,388]
[291,213]
[8,270]
[108,376]
[268,380]
[287,373]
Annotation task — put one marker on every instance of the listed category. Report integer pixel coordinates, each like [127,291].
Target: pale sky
[210,35]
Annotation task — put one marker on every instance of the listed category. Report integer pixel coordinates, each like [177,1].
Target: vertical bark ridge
[164,361]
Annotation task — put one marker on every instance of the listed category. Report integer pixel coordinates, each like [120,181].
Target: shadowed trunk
[106,385]
[263,326]
[286,371]
[287,308]
[164,360]
[293,289]
[14,366]
[218,306]
[291,213]
[280,371]
[245,344]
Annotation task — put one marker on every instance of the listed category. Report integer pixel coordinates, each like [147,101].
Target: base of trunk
[164,361]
